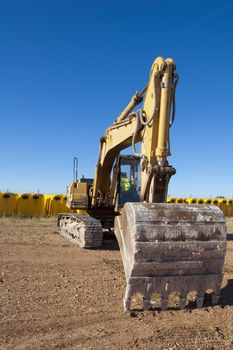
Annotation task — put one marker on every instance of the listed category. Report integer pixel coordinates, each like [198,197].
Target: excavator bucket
[168,248]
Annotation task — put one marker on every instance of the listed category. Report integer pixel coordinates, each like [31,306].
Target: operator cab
[128,179]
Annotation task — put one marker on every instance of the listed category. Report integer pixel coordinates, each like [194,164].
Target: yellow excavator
[165,247]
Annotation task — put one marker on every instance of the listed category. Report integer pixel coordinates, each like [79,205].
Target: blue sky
[68,68]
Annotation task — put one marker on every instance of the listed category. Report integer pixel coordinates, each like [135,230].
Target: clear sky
[68,68]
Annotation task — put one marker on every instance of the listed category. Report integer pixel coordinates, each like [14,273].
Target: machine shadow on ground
[109,243]
[226,297]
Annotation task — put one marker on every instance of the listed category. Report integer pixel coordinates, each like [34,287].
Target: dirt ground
[53,295]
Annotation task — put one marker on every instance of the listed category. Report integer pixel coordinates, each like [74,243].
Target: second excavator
[165,247]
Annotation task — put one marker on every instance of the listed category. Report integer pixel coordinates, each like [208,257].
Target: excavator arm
[149,125]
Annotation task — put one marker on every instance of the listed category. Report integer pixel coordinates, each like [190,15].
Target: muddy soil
[53,295]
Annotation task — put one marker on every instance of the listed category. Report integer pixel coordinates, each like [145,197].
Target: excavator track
[170,248]
[83,230]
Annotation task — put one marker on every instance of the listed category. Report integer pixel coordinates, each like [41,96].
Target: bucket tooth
[127,304]
[167,247]
[164,296]
[146,304]
[182,302]
[127,298]
[149,288]
[147,296]
[164,303]
[215,298]
[199,301]
[215,295]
